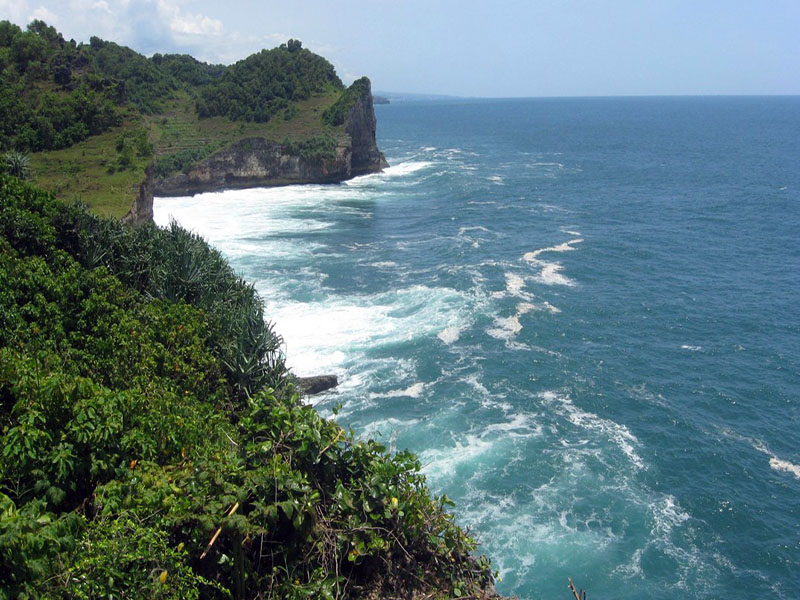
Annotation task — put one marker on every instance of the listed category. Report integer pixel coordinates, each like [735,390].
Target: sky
[500,48]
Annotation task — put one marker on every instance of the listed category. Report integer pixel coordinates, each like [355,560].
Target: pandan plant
[17,164]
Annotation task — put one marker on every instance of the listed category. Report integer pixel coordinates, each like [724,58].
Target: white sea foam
[384,264]
[633,568]
[399,170]
[784,465]
[551,272]
[520,425]
[386,428]
[334,332]
[615,432]
[667,514]
[463,230]
[506,327]
[407,168]
[549,307]
[477,385]
[443,462]
[546,164]
[474,234]
[323,335]
[514,283]
[775,462]
[239,221]
[496,179]
[515,287]
[563,247]
[413,391]
[449,335]
[691,348]
[551,275]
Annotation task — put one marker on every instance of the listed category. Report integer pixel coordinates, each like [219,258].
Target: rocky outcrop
[360,126]
[257,162]
[141,210]
[317,383]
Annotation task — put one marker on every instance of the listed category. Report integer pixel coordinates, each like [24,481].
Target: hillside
[108,126]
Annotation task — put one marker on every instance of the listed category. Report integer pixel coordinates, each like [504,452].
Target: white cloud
[43,14]
[14,10]
[102,6]
[149,26]
[195,24]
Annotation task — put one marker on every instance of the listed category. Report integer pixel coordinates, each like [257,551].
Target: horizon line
[433,95]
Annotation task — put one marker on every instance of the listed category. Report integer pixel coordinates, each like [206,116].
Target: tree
[8,31]
[43,30]
[294,45]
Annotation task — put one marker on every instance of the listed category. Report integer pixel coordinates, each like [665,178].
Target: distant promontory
[111,127]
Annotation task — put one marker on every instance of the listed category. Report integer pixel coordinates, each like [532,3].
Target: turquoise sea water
[582,314]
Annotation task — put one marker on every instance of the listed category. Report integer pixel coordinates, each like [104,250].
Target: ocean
[583,315]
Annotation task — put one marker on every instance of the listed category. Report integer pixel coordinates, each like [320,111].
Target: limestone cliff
[360,126]
[256,162]
[141,210]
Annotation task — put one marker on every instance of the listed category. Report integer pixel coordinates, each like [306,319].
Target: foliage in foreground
[153,445]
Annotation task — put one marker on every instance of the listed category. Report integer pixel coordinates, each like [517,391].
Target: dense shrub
[187,70]
[182,161]
[144,84]
[312,149]
[33,114]
[152,444]
[263,84]
[336,114]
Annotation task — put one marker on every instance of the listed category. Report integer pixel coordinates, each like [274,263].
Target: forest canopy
[55,93]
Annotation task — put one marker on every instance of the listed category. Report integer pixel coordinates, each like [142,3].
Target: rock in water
[317,383]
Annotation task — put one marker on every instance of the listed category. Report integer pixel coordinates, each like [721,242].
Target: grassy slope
[179,127]
[81,171]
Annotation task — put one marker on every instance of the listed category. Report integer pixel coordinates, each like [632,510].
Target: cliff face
[360,126]
[141,210]
[256,162]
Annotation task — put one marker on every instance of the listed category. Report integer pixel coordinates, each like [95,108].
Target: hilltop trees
[98,84]
[258,87]
[33,115]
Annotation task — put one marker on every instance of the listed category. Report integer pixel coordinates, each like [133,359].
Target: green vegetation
[152,444]
[94,171]
[68,103]
[48,98]
[336,114]
[263,84]
[17,164]
[314,148]
[167,164]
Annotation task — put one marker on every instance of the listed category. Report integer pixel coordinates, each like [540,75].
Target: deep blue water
[582,314]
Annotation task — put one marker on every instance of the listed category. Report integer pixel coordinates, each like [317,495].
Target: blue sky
[470,48]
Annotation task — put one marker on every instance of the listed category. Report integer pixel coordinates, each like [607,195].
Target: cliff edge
[141,210]
[258,161]
[360,126]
